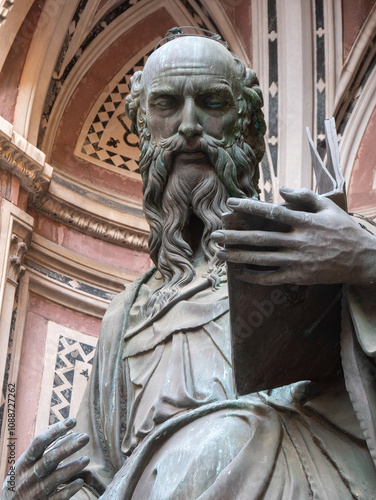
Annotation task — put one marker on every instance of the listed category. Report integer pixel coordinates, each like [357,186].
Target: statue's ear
[133,100]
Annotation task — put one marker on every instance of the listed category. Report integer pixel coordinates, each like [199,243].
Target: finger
[44,439]
[62,440]
[68,491]
[63,474]
[304,198]
[51,459]
[267,259]
[271,211]
[255,238]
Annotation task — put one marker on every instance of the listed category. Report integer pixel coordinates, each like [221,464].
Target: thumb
[303,198]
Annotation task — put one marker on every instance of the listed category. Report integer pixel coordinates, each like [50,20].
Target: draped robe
[165,422]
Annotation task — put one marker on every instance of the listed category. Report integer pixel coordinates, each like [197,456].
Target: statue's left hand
[324,245]
[37,473]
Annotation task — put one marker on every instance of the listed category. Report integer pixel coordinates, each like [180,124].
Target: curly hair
[133,107]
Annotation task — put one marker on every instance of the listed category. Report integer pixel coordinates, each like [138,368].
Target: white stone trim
[15,234]
[296,87]
[5,7]
[333,50]
[39,66]
[23,159]
[356,126]
[79,270]
[354,59]
[260,48]
[77,266]
[9,29]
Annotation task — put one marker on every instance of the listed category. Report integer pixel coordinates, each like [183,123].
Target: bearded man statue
[161,408]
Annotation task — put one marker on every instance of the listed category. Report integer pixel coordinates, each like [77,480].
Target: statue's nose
[190,125]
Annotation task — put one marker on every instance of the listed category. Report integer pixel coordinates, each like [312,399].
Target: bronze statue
[161,408]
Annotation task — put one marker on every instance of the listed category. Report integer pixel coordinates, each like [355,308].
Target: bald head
[189,56]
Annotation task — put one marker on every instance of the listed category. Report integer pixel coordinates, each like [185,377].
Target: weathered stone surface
[162,408]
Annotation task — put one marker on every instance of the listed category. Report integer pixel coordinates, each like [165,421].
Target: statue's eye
[214,102]
[165,101]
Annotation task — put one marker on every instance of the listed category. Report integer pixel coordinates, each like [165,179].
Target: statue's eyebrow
[219,89]
[162,90]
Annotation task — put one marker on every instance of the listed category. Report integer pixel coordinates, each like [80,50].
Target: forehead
[203,61]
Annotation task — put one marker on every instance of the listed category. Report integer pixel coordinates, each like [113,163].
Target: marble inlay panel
[68,361]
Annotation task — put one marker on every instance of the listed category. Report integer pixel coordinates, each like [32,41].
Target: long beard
[168,203]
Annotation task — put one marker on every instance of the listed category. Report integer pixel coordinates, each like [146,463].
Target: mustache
[234,163]
[182,144]
[166,149]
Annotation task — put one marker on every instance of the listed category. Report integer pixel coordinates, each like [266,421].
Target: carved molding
[15,235]
[94,225]
[64,199]
[64,261]
[17,252]
[24,160]
[72,280]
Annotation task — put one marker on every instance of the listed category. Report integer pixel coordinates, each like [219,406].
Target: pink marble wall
[40,313]
[88,246]
[361,188]
[354,13]
[11,72]
[240,14]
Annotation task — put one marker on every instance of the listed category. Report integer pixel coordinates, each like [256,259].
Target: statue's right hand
[37,475]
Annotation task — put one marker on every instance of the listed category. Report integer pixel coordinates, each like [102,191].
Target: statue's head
[197,111]
[226,94]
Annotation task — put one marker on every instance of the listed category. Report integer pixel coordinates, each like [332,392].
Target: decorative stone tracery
[18,251]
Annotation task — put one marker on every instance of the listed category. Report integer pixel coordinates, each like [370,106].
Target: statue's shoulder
[120,305]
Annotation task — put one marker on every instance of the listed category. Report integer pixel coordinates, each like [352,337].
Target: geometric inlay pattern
[269,163]
[320,76]
[106,138]
[74,360]
[68,360]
